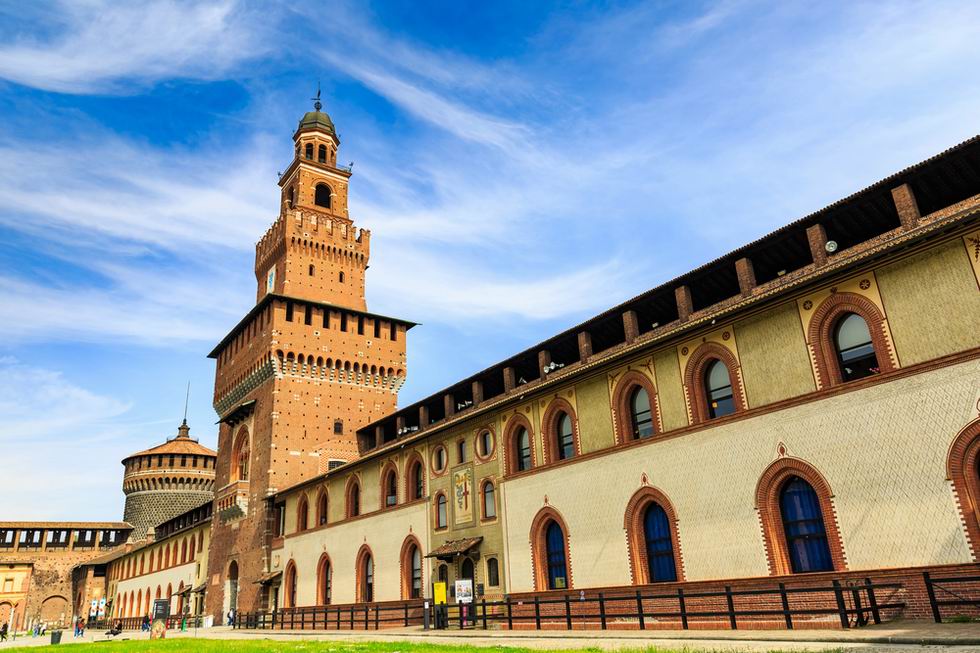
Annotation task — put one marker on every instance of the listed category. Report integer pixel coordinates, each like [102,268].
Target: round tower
[167,480]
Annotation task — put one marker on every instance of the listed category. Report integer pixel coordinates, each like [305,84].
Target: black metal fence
[952,592]
[854,604]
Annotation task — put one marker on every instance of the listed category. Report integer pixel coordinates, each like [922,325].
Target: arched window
[493,572]
[390,489]
[366,575]
[341,277]
[522,449]
[442,518]
[291,197]
[302,515]
[718,390]
[855,349]
[309,150]
[485,444]
[416,480]
[443,573]
[659,546]
[411,569]
[322,195]
[241,457]
[565,437]
[466,570]
[641,417]
[439,459]
[461,451]
[289,597]
[321,509]
[324,581]
[321,155]
[353,499]
[555,552]
[489,500]
[963,469]
[183,552]
[416,573]
[806,537]
[312,270]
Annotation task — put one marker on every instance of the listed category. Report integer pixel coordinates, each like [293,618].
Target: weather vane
[316,100]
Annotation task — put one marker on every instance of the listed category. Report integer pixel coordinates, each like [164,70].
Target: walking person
[3,632]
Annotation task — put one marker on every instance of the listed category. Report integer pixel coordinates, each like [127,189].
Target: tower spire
[184,431]
[317,105]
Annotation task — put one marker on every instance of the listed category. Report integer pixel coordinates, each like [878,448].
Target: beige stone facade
[876,450]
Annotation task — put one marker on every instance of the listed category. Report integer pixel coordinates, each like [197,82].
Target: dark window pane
[566,442]
[806,538]
[642,418]
[718,390]
[660,548]
[855,351]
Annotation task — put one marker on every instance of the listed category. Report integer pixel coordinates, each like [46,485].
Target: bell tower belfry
[302,371]
[314,253]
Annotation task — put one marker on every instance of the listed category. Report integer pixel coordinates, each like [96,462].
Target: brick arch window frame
[441,494]
[324,565]
[767,503]
[549,430]
[820,335]
[387,471]
[410,491]
[405,567]
[636,538]
[322,507]
[623,412]
[694,380]
[352,483]
[360,573]
[513,427]
[538,539]
[436,471]
[303,514]
[290,579]
[483,500]
[478,446]
[962,462]
[241,455]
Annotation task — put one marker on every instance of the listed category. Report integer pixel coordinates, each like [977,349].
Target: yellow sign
[439,593]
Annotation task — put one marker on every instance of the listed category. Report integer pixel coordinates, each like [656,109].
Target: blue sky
[521,166]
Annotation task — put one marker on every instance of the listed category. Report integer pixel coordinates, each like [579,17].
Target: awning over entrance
[454,548]
[269,578]
[200,588]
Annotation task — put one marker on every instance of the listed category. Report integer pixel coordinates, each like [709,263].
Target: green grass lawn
[269,646]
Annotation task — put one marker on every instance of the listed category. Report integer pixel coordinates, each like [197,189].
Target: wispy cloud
[106,47]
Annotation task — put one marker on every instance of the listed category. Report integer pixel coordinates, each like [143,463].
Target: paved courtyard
[892,637]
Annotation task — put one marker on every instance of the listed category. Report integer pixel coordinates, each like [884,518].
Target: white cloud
[106,47]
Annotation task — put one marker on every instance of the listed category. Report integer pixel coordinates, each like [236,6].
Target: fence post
[872,600]
[639,609]
[841,606]
[484,614]
[338,619]
[406,615]
[510,618]
[568,613]
[352,617]
[602,611]
[859,611]
[367,610]
[786,613]
[931,593]
[683,606]
[731,607]
[537,614]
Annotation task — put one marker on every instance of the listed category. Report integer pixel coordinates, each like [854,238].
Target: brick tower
[164,481]
[302,371]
